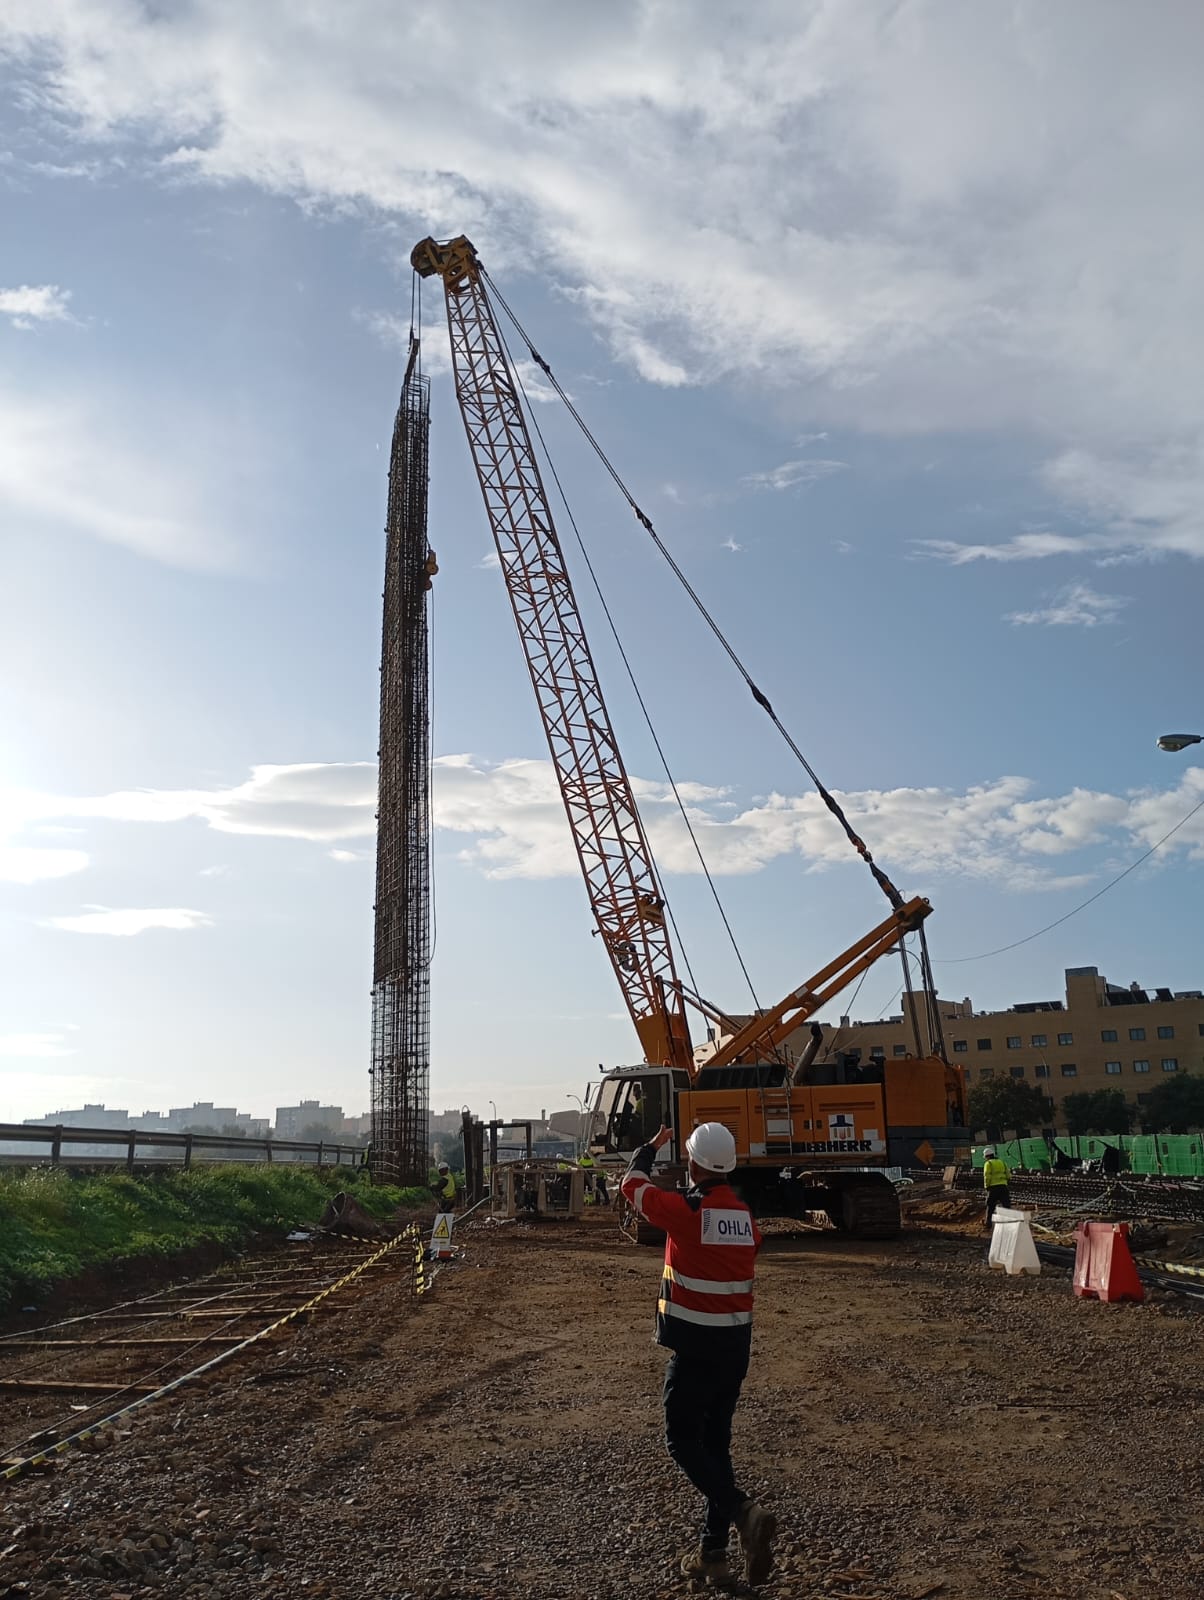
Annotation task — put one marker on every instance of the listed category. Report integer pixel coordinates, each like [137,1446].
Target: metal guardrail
[192,1146]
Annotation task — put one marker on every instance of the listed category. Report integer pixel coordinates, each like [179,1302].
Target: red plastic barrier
[1103,1263]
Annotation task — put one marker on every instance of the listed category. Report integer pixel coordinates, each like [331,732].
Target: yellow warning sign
[924,1153]
[441,1236]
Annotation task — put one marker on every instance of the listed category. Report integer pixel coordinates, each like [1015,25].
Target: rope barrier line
[1168,1266]
[409,1235]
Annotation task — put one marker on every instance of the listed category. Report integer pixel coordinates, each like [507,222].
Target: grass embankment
[54,1226]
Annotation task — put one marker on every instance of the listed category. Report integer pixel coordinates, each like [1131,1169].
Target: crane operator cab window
[634,1109]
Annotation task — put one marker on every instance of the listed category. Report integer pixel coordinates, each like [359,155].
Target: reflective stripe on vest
[708,1319]
[708,1285]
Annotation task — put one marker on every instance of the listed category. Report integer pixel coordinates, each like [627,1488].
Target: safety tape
[20,1468]
[1169,1266]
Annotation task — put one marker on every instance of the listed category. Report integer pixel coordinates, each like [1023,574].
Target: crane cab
[631,1104]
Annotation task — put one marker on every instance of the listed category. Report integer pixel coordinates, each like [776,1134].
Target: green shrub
[55,1224]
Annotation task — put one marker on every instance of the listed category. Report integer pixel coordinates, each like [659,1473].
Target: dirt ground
[921,1426]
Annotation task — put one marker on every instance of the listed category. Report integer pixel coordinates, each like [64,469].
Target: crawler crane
[810,1136]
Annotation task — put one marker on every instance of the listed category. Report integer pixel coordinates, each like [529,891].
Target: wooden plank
[120,1344]
[55,1386]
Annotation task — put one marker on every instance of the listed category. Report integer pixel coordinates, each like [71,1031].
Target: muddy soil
[921,1426]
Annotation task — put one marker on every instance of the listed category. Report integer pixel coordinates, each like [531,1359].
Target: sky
[889,316]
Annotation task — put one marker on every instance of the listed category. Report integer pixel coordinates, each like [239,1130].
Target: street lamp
[493,1108]
[1179,741]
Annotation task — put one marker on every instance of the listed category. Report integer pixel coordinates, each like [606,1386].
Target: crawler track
[65,1381]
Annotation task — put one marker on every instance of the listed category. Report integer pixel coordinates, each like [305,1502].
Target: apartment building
[1100,1036]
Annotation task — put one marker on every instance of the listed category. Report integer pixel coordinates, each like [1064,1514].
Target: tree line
[1176,1106]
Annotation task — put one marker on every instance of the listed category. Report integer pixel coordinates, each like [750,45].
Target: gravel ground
[921,1427]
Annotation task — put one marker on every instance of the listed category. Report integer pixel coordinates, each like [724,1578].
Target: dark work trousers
[700,1401]
[997,1195]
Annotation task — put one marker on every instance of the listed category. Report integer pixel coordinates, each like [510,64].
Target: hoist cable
[639,698]
[880,877]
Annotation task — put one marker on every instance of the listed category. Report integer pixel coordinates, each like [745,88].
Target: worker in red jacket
[704,1316]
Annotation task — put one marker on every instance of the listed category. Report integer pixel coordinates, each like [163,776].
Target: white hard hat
[989,1153]
[712,1146]
[443,1167]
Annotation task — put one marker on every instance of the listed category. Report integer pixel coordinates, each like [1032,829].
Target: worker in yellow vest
[995,1177]
[444,1188]
[586,1163]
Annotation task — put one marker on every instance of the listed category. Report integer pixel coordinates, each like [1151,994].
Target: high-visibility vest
[586,1161]
[447,1187]
[993,1173]
[705,1303]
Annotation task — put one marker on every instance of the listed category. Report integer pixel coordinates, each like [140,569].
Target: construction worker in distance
[995,1181]
[704,1317]
[444,1188]
[587,1165]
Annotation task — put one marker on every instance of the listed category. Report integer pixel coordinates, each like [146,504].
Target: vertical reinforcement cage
[401,964]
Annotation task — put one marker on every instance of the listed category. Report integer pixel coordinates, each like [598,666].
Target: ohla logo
[726,1227]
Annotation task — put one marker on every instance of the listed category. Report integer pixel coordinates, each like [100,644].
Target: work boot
[709,1566]
[756,1528]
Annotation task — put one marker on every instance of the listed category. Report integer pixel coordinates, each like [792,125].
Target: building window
[1069,1070]
[899,1050]
[984,1044]
[987,1072]
[1112,1068]
[1166,1033]
[1041,1072]
[1066,1038]
[1014,1041]
[1141,1066]
[959,1045]
[1170,1064]
[1142,1099]
[877,1053]
[1108,1035]
[1136,1033]
[1017,1072]
[1038,1041]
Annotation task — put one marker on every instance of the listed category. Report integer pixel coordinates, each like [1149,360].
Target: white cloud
[730,544]
[901,241]
[34,1046]
[393,332]
[534,385]
[28,305]
[1032,546]
[30,864]
[512,820]
[992,831]
[1076,606]
[792,473]
[65,462]
[124,924]
[321,801]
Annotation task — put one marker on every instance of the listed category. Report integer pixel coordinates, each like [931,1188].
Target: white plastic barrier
[1012,1246]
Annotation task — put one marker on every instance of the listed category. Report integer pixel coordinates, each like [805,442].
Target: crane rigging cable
[884,883]
[672,781]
